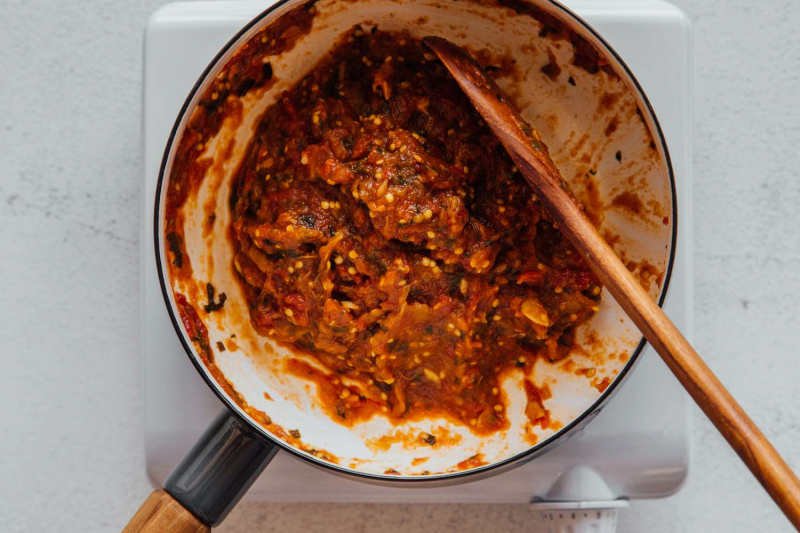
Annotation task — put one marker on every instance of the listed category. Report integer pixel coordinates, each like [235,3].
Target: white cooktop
[638,445]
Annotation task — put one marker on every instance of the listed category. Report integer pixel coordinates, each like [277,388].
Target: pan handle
[209,481]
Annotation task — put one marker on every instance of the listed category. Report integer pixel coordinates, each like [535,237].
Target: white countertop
[71,451]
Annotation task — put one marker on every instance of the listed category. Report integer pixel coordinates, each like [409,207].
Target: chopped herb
[220,346]
[307,220]
[455,281]
[212,305]
[429,439]
[618,155]
[175,247]
[547,30]
[571,81]
[245,86]
[294,433]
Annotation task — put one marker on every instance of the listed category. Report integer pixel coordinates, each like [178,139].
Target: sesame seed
[288,312]
[428,213]
[377,121]
[339,260]
[304,159]
[392,147]
[595,308]
[596,291]
[417,158]
[289,228]
[573,317]
[559,290]
[351,271]
[502,209]
[495,390]
[298,264]
[389,197]
[473,422]
[540,266]
[498,408]
[466,169]
[522,359]
[451,131]
[325,204]
[458,251]
[431,235]
[426,261]
[402,283]
[291,270]
[353,254]
[496,318]
[315,119]
[345,393]
[495,303]
[355,194]
[403,149]
[384,397]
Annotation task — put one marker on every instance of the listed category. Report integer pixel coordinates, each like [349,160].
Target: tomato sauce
[381,227]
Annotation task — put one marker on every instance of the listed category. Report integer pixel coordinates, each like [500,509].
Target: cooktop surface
[638,446]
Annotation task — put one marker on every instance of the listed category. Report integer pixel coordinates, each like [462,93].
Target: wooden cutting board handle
[161,513]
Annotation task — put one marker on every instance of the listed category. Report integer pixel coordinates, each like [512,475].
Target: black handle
[219,469]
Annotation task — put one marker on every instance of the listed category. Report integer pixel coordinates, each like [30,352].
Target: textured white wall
[71,456]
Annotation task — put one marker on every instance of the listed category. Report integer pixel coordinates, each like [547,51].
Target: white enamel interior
[573,123]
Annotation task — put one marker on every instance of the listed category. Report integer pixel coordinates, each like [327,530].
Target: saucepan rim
[395,480]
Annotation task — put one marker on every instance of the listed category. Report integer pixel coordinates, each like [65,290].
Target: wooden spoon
[529,153]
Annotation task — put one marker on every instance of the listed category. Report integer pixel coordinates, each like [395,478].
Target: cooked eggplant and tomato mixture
[381,228]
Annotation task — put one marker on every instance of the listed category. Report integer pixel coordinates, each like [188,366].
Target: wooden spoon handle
[699,381]
[526,148]
[160,512]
